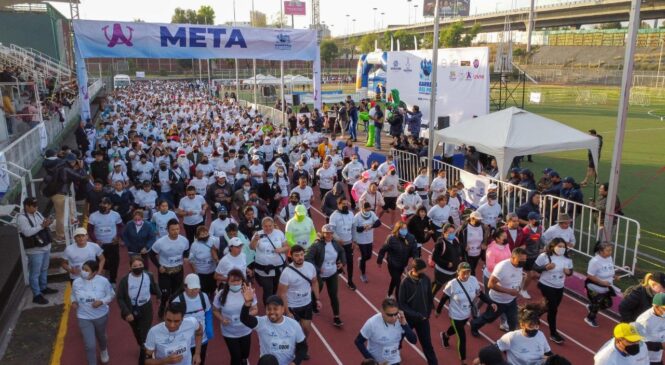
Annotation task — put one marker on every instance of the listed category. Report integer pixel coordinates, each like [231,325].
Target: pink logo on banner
[118,36]
[294,7]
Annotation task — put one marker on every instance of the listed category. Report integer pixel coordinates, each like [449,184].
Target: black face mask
[226,159]
[222,216]
[531,333]
[163,168]
[294,202]
[392,172]
[137,270]
[536,224]
[204,238]
[345,210]
[633,349]
[521,264]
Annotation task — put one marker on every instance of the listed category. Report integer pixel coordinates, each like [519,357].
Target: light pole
[415,13]
[382,18]
[660,58]
[353,29]
[432,101]
[347,23]
[408,10]
[374,17]
[234,13]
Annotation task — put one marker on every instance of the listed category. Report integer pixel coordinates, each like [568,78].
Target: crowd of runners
[177,179]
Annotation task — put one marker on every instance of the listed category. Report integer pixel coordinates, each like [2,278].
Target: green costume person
[300,229]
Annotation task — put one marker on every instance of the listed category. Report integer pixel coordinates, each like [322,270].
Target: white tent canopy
[297,80]
[262,80]
[514,132]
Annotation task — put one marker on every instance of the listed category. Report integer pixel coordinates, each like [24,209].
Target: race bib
[655,356]
[176,349]
[280,345]
[391,354]
[105,230]
[175,261]
[303,294]
[235,320]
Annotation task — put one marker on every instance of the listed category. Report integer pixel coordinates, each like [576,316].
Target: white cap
[219,174]
[476,215]
[80,231]
[192,281]
[492,186]
[256,158]
[235,242]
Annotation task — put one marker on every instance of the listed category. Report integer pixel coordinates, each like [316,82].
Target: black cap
[274,299]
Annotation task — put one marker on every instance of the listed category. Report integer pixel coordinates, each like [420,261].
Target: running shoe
[337,322]
[590,322]
[525,294]
[363,278]
[445,340]
[104,356]
[504,327]
[556,338]
[351,285]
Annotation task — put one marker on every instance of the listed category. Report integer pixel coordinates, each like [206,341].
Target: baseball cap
[476,215]
[117,164]
[327,228]
[391,168]
[70,157]
[256,158]
[659,299]
[235,242]
[533,215]
[192,281]
[219,174]
[366,175]
[492,195]
[554,173]
[492,186]
[569,180]
[547,170]
[627,331]
[463,266]
[274,299]
[80,231]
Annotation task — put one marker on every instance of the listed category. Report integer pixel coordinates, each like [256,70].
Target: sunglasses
[392,314]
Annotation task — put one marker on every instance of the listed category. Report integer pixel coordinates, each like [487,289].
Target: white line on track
[327,345]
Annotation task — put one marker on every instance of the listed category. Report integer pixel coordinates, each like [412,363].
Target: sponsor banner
[82,81]
[447,7]
[463,81]
[475,187]
[294,7]
[105,39]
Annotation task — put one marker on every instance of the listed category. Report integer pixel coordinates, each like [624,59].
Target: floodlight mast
[432,101]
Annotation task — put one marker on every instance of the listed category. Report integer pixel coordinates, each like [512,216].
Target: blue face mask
[403,232]
[451,237]
[235,288]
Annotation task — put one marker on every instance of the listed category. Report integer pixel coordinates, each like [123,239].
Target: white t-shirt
[265,252]
[231,310]
[201,256]
[474,240]
[326,177]
[329,267]
[76,256]
[609,355]
[170,251]
[365,237]
[201,185]
[145,199]
[279,339]
[510,277]
[86,292]
[524,350]
[556,231]
[383,339]
[603,269]
[299,293]
[192,205]
[306,195]
[161,220]
[105,225]
[218,227]
[230,262]
[438,187]
[439,215]
[256,171]
[165,343]
[651,326]
[460,307]
[133,285]
[490,213]
[554,278]
[196,310]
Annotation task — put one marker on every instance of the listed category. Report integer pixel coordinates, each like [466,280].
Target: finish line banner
[110,39]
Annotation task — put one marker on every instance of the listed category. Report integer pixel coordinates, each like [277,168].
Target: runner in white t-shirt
[76,255]
[278,334]
[162,217]
[197,306]
[383,334]
[600,274]
[171,340]
[527,345]
[234,260]
[171,252]
[627,347]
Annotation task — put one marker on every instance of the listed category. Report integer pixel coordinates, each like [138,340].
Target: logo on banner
[469,77]
[476,63]
[453,75]
[395,66]
[84,92]
[118,36]
[283,42]
[465,63]
[425,83]
[407,65]
[444,62]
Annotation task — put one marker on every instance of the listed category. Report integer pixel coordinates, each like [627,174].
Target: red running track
[332,345]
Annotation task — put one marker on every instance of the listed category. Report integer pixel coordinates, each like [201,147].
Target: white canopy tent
[514,132]
[297,80]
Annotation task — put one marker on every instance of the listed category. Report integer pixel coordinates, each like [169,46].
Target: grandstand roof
[8,3]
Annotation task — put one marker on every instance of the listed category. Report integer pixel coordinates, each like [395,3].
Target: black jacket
[317,252]
[399,250]
[395,122]
[125,302]
[637,300]
[417,227]
[447,255]
[416,298]
[330,199]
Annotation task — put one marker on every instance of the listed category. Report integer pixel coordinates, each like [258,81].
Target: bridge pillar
[529,26]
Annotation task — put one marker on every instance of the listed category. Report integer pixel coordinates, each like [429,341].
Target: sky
[333,12]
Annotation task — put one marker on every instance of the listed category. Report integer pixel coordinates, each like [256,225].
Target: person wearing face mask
[389,188]
[241,197]
[270,192]
[135,301]
[363,227]
[305,191]
[531,234]
[600,281]
[91,295]
[220,193]
[192,209]
[554,267]
[409,201]
[374,198]
[327,175]
[300,229]
[342,222]
[227,306]
[473,236]
[104,229]
[289,209]
[138,236]
[162,180]
[351,173]
[651,325]
[400,248]
[627,347]
[421,183]
[76,255]
[360,187]
[461,292]
[197,306]
[490,355]
[447,255]
[171,251]
[201,259]
[504,287]
[528,344]
[491,211]
[638,298]
[199,181]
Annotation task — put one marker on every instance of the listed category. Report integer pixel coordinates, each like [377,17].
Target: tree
[138,20]
[455,35]
[329,51]
[279,21]
[366,43]
[612,25]
[205,15]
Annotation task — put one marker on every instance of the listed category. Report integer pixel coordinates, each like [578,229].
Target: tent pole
[281,88]
[254,71]
[237,81]
[633,27]
[432,101]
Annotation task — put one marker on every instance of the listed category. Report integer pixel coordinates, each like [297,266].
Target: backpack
[181,297]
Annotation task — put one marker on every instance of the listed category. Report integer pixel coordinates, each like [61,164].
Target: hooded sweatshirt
[330,199]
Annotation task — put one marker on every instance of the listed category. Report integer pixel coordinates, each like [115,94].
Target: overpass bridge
[567,14]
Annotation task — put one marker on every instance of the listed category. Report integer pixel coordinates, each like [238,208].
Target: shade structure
[514,132]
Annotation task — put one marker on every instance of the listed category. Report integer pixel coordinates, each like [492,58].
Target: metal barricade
[588,228]
[407,164]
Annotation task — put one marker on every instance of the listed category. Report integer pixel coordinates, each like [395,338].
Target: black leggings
[112,256]
[323,192]
[597,302]
[140,327]
[553,298]
[239,349]
[269,285]
[208,283]
[348,252]
[440,280]
[331,285]
[395,279]
[204,351]
[457,328]
[190,231]
[365,255]
[169,284]
[473,262]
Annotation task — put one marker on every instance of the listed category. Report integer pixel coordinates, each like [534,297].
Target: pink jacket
[495,254]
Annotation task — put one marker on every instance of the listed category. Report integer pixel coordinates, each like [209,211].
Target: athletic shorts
[303,313]
[390,203]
